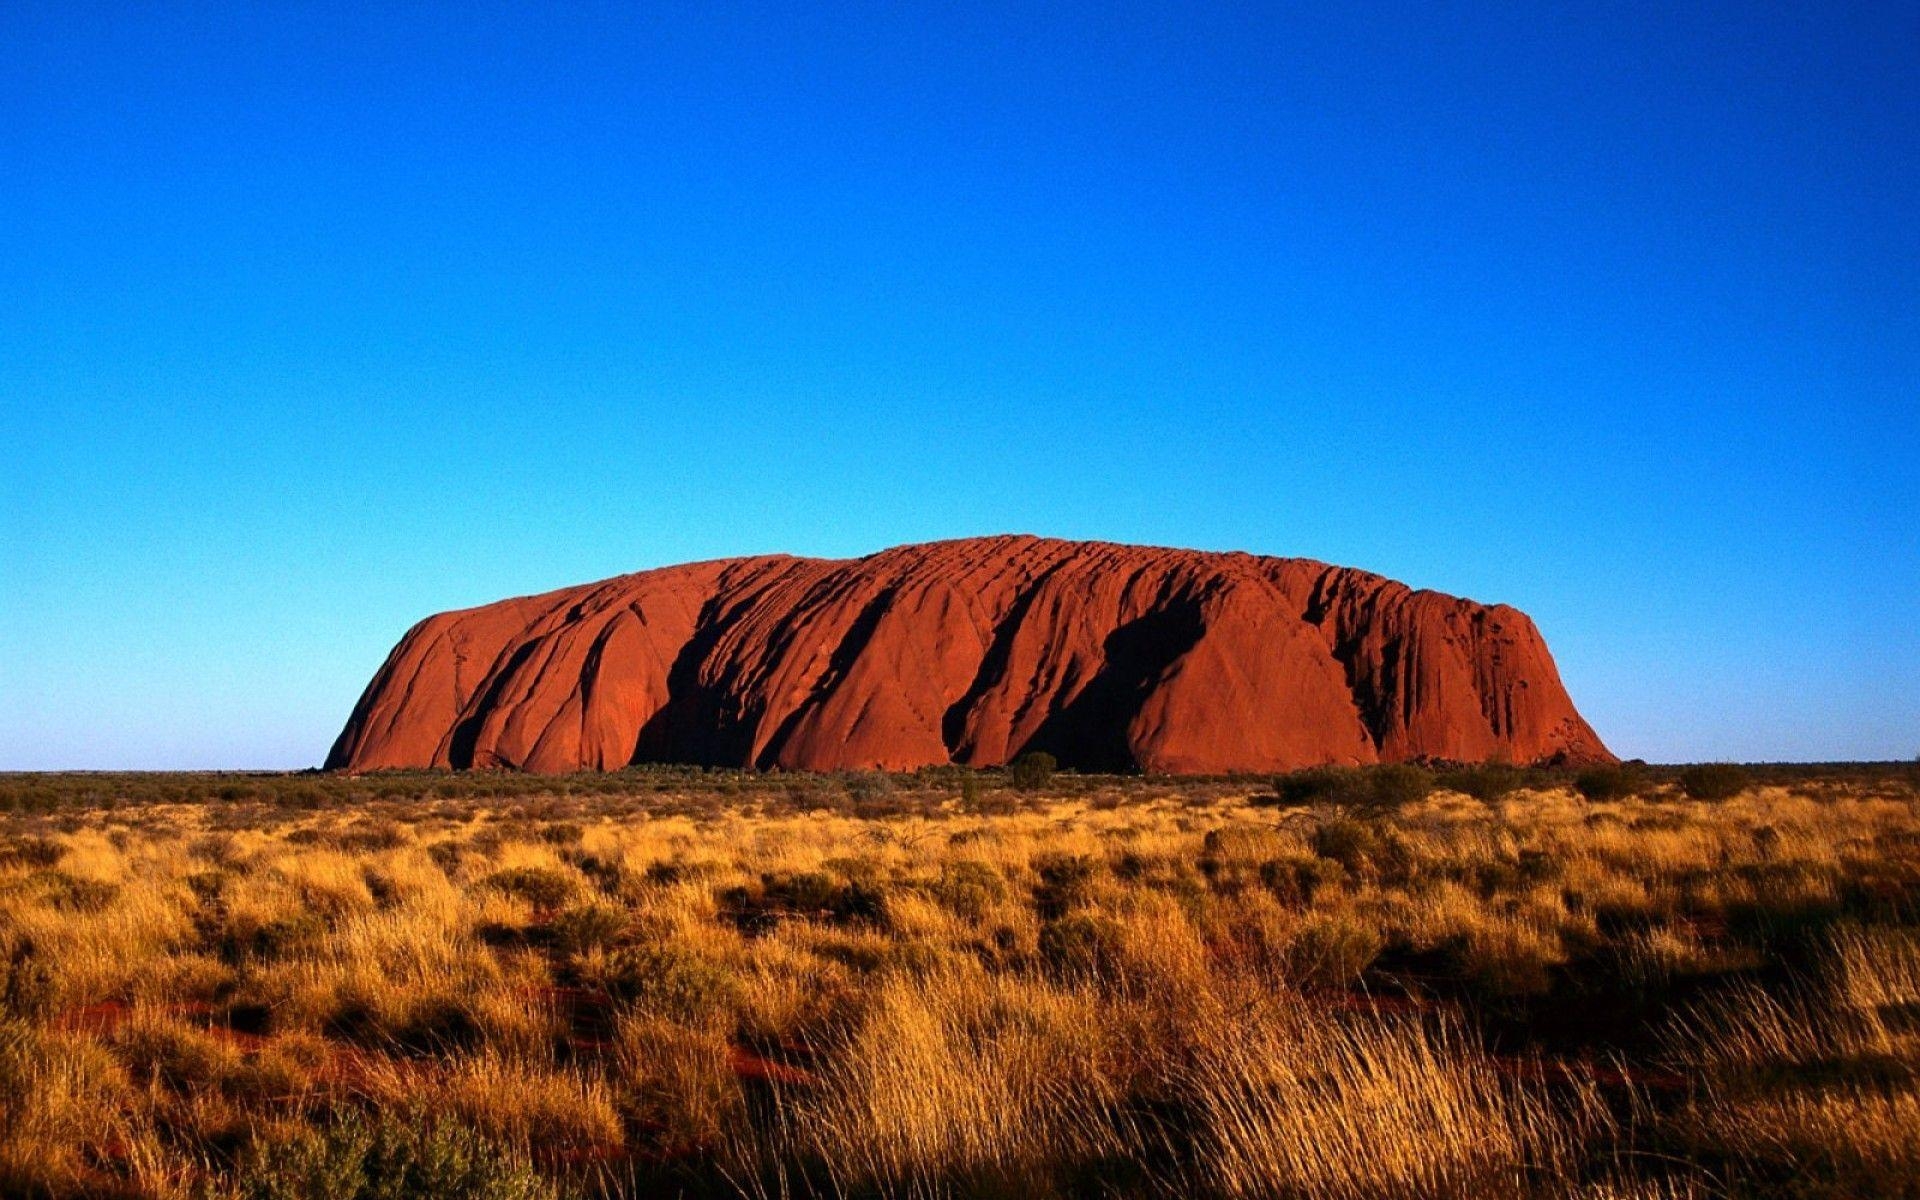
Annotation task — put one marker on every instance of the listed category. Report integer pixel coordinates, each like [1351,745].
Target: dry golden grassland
[668,983]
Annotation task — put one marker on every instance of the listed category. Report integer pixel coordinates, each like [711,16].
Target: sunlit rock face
[1111,658]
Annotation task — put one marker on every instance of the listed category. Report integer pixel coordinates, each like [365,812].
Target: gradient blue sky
[314,321]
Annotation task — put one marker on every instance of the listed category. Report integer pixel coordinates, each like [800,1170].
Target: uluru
[1108,657]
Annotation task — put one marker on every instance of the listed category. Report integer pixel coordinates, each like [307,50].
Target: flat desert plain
[1398,981]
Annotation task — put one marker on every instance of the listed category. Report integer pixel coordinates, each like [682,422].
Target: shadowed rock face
[1108,657]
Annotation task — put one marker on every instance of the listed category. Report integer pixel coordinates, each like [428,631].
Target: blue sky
[314,321]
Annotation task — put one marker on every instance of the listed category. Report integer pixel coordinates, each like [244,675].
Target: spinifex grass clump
[1347,984]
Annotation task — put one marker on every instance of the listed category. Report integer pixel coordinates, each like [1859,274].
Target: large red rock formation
[1109,657]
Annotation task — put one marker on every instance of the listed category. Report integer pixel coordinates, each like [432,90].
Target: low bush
[1066,882]
[542,887]
[1316,785]
[589,927]
[1081,945]
[867,787]
[1714,781]
[1608,783]
[1295,882]
[1383,788]
[970,791]
[277,937]
[759,907]
[1332,950]
[1486,783]
[360,1158]
[39,852]
[1393,786]
[969,888]
[1347,841]
[1032,770]
[410,1024]
[80,895]
[673,981]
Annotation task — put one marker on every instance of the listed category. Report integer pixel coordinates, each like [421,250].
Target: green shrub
[1066,882]
[1316,785]
[563,833]
[802,890]
[1503,967]
[805,894]
[1486,783]
[1081,945]
[1296,881]
[277,938]
[1391,786]
[1332,951]
[437,1023]
[867,787]
[969,888]
[605,871]
[589,927]
[1385,787]
[358,1158]
[1347,841]
[860,900]
[1714,781]
[976,799]
[542,887]
[368,834]
[447,855]
[855,868]
[31,852]
[208,886]
[668,872]
[29,986]
[1602,784]
[1032,770]
[804,794]
[175,1057]
[70,893]
[674,982]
